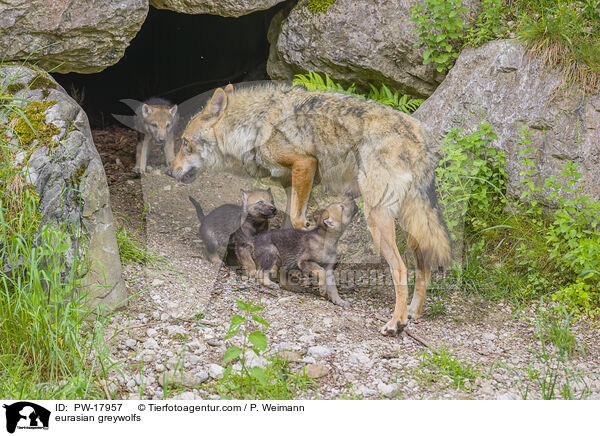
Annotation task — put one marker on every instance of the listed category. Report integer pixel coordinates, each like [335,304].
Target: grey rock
[71,185]
[319,351]
[69,35]
[186,396]
[508,396]
[357,41]
[150,343]
[185,379]
[216,371]
[503,84]
[224,8]
[291,356]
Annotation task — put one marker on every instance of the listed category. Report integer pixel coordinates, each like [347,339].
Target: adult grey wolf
[350,145]
[313,251]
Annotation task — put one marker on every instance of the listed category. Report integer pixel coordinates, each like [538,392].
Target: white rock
[151,332]
[150,343]
[388,391]
[508,396]
[319,351]
[173,330]
[157,282]
[130,343]
[216,371]
[202,376]
[186,396]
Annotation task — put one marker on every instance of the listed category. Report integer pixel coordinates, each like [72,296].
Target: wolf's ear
[146,110]
[244,196]
[229,88]
[329,223]
[216,106]
[269,191]
[173,110]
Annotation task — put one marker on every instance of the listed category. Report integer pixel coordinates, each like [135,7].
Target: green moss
[43,82]
[13,88]
[319,6]
[35,114]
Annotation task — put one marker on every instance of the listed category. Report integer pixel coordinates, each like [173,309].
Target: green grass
[442,362]
[132,251]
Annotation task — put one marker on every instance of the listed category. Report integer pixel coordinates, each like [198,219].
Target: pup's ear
[229,88]
[244,196]
[216,106]
[329,223]
[146,110]
[173,110]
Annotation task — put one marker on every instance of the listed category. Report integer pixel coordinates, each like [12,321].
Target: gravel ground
[179,313]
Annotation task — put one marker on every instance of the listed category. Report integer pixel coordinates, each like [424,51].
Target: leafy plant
[384,95]
[130,251]
[490,24]
[252,339]
[441,30]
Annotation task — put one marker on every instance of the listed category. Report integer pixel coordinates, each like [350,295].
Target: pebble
[157,282]
[388,391]
[316,370]
[150,343]
[319,351]
[216,371]
[130,343]
[151,332]
[291,356]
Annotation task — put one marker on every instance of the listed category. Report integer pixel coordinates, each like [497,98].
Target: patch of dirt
[179,313]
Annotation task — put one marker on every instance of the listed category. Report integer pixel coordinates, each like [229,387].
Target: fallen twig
[417,338]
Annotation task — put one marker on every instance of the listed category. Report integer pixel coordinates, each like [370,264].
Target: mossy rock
[319,6]
[32,126]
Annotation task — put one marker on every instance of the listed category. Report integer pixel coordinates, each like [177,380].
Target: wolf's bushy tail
[421,217]
[199,212]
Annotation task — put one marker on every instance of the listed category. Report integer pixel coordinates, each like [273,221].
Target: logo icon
[26,415]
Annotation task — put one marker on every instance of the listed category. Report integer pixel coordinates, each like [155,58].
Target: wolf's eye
[154,124]
[342,206]
[260,202]
[168,125]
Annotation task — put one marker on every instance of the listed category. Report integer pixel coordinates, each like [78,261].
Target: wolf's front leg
[303,173]
[169,149]
[141,154]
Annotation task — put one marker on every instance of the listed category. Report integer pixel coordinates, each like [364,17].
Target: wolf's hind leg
[379,221]
[422,273]
[326,282]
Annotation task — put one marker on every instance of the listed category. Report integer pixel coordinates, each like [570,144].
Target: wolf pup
[313,251]
[346,143]
[234,226]
[155,122]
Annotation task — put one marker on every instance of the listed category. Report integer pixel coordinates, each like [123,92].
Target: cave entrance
[175,56]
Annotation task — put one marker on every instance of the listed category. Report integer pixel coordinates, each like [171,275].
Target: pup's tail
[198,209]
[421,217]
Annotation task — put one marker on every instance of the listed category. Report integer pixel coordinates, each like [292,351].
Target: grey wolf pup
[155,122]
[234,226]
[350,145]
[313,251]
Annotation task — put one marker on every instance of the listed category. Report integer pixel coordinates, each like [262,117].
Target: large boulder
[505,85]
[65,168]
[224,8]
[357,41]
[69,35]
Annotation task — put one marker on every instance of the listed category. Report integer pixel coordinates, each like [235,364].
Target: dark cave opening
[175,56]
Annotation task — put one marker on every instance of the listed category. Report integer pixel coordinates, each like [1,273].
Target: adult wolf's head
[199,149]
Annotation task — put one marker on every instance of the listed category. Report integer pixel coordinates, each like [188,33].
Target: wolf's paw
[339,302]
[137,170]
[392,328]
[413,313]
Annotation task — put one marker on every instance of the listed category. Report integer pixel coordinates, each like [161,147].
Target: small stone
[316,370]
[319,351]
[150,343]
[291,356]
[174,330]
[216,371]
[167,188]
[412,384]
[508,396]
[151,332]
[157,282]
[130,343]
[185,396]
[388,391]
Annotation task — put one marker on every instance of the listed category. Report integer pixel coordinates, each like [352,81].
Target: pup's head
[199,149]
[159,119]
[336,217]
[258,204]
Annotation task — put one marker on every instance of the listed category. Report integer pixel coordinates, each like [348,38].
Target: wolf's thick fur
[233,226]
[349,144]
[313,251]
[155,122]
